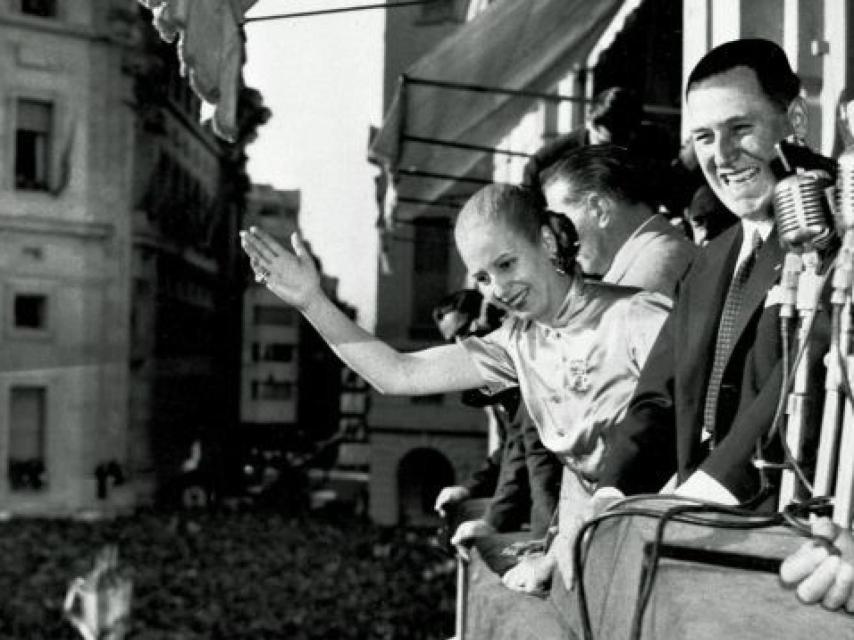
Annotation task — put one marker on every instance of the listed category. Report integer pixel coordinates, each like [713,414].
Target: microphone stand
[843,505]
[809,287]
[837,357]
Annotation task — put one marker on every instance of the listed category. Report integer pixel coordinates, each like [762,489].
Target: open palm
[292,276]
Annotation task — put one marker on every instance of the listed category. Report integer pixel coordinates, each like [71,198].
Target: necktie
[726,330]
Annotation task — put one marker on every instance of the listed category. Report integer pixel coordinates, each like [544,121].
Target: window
[278,352]
[476,7]
[27,410]
[33,132]
[271,389]
[270,315]
[30,311]
[275,352]
[42,8]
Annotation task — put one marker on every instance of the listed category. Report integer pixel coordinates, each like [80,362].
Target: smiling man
[708,392]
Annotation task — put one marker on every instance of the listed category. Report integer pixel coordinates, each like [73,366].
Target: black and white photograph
[426,319]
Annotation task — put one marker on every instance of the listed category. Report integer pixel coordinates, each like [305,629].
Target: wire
[321,12]
[777,424]
[687,511]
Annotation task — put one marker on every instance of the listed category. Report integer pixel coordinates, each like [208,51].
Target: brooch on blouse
[578,375]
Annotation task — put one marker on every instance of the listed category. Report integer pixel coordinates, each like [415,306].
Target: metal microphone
[805,225]
[803,214]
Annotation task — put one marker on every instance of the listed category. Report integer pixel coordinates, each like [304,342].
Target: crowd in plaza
[247,574]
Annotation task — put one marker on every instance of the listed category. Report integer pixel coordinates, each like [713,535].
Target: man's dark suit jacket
[663,427]
[528,483]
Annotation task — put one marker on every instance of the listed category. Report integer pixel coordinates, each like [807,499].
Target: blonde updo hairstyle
[521,210]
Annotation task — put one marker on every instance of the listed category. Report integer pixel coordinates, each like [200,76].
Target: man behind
[607,195]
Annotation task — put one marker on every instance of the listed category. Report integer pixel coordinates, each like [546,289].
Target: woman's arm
[294,278]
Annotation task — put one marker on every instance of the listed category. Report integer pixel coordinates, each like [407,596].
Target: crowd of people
[645,361]
[249,574]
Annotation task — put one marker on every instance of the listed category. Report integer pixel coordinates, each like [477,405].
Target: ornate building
[119,273]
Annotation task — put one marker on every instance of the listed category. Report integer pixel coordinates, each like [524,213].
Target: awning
[517,45]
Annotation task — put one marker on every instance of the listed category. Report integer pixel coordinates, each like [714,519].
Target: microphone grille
[802,214]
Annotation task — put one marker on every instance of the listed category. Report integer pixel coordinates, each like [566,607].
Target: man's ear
[548,240]
[600,208]
[797,116]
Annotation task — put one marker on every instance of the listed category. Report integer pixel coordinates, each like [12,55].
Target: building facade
[119,216]
[65,266]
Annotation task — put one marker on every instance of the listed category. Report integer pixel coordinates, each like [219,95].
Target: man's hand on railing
[822,570]
[449,497]
[532,575]
[467,532]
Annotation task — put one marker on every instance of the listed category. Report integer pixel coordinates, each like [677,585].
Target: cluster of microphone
[814,210]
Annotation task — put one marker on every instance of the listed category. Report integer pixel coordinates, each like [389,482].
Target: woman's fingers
[260,245]
[267,244]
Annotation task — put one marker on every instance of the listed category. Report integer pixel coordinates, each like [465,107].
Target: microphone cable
[687,511]
[778,427]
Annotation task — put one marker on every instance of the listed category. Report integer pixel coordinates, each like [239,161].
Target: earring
[557,263]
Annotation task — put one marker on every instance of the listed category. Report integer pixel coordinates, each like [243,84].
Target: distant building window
[278,352]
[275,352]
[30,311]
[476,7]
[269,315]
[33,133]
[28,413]
[272,390]
[43,8]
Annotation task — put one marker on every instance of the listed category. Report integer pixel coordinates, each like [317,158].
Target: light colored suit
[654,258]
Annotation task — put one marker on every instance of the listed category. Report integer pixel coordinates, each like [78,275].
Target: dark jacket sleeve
[641,449]
[510,505]
[482,483]
[544,475]
[529,483]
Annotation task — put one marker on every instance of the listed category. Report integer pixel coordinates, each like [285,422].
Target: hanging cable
[322,12]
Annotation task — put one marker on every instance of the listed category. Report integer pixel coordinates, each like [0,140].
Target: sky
[322,79]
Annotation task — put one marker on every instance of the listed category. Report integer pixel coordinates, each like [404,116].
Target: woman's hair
[519,209]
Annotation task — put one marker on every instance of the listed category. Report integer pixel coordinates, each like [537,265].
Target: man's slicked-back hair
[767,60]
[515,207]
[605,169]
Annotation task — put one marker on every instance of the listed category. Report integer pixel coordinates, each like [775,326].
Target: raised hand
[292,276]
